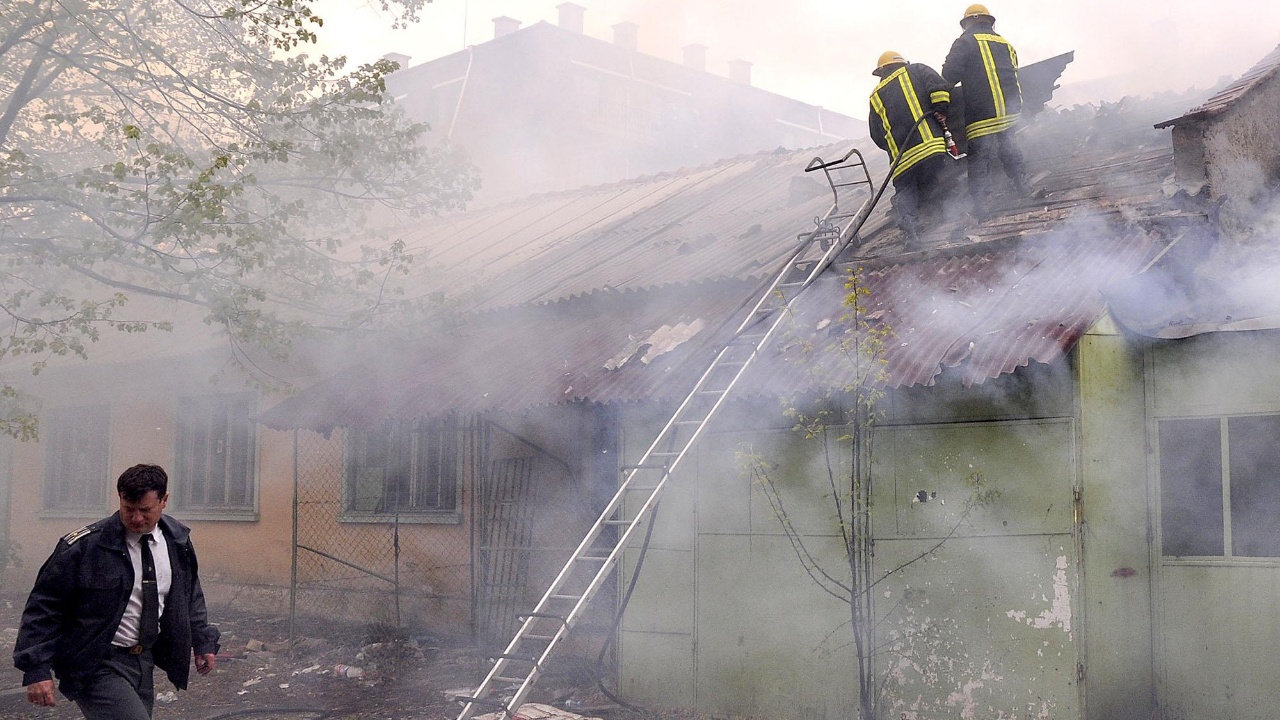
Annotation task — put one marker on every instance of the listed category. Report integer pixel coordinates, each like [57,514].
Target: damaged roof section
[982,312]
[624,294]
[1178,298]
[658,343]
[611,347]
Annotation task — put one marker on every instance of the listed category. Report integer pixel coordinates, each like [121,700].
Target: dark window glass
[403,467]
[1191,487]
[76,454]
[215,454]
[1254,453]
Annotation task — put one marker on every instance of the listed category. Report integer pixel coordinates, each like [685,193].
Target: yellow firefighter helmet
[976,11]
[887,58]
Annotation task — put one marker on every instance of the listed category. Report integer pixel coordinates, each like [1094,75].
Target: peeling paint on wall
[1059,611]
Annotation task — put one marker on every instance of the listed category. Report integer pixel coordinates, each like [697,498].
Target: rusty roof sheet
[1224,99]
[983,311]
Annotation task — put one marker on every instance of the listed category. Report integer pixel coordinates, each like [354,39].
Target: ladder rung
[690,422]
[625,468]
[642,489]
[663,454]
[594,558]
[575,598]
[545,616]
[517,658]
[617,522]
[515,680]
[483,702]
[542,638]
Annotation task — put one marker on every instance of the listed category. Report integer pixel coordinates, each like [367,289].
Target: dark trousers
[983,153]
[912,188]
[122,688]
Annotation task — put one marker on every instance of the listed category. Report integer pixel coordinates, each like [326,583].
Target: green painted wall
[726,619]
[1217,619]
[1116,614]
[1062,577]
[983,625]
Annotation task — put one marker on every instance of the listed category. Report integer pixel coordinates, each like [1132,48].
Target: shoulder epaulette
[75,535]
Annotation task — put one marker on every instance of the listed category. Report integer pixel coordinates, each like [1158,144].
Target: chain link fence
[519,513]
[373,569]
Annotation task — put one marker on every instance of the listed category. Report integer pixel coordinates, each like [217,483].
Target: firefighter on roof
[908,108]
[985,66]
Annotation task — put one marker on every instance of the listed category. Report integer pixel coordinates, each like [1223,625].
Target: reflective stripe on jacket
[986,67]
[909,93]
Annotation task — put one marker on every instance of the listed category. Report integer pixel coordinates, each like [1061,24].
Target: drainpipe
[471,56]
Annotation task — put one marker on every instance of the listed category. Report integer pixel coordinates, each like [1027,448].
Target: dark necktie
[149,625]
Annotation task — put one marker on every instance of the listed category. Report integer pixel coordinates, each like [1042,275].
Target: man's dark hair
[141,479]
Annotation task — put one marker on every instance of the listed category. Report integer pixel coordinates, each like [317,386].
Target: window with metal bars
[406,469]
[77,451]
[1220,486]
[215,469]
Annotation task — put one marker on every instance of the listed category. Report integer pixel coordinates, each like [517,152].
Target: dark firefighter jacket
[80,595]
[986,67]
[903,97]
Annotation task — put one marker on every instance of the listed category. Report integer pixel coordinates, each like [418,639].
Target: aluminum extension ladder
[517,668]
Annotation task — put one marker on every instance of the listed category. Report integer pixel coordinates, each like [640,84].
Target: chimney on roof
[740,71]
[398,58]
[695,56]
[504,26]
[571,16]
[625,35]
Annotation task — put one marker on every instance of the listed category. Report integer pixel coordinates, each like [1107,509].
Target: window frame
[442,433]
[1228,510]
[53,441]
[235,411]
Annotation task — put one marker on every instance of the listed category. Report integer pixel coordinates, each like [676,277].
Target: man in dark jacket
[985,66]
[908,108]
[105,608]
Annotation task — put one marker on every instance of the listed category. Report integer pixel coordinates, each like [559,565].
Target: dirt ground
[257,676]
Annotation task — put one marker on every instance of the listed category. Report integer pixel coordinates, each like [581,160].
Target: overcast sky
[822,51]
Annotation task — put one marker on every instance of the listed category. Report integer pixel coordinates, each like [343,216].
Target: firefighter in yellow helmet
[908,108]
[985,66]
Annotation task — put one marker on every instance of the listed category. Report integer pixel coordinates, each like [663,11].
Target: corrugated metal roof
[1169,302]
[1222,101]
[534,355]
[681,255]
[984,312]
[735,219]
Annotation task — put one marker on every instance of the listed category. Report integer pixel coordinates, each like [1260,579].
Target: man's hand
[940,116]
[41,693]
[205,663]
